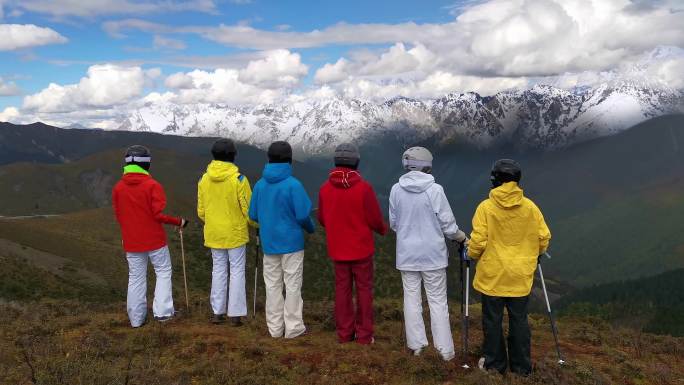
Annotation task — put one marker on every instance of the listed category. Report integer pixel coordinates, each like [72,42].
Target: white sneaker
[417,352]
[480,364]
[448,357]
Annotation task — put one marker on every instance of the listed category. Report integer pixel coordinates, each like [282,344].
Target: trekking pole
[465,301]
[256,273]
[548,308]
[185,277]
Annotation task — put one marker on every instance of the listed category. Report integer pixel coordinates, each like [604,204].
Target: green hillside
[613,204]
[654,304]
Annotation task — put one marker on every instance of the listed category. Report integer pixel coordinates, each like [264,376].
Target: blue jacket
[281,207]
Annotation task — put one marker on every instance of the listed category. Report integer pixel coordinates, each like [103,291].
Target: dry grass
[72,343]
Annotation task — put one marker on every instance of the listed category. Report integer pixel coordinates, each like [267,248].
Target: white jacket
[420,214]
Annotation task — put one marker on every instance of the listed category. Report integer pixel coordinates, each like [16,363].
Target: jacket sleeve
[544,232]
[478,238]
[253,211]
[244,198]
[200,201]
[372,209]
[159,204]
[302,207]
[392,211]
[319,214]
[445,216]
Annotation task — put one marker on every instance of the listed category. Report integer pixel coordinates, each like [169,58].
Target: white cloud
[219,86]
[9,114]
[504,38]
[279,68]
[669,71]
[333,73]
[9,88]
[92,8]
[104,86]
[264,79]
[161,42]
[18,36]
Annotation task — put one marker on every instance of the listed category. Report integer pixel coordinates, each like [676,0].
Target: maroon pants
[354,324]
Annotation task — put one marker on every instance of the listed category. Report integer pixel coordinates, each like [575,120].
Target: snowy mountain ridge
[542,117]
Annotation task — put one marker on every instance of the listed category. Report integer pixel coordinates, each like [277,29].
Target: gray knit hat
[347,154]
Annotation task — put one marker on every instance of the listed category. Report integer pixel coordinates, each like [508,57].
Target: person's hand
[461,238]
[184,223]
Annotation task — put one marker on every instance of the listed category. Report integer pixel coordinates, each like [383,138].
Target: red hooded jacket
[138,202]
[349,211]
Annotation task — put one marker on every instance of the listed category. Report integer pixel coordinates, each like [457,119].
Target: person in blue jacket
[281,207]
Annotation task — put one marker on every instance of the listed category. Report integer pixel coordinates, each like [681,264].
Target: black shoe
[236,321]
[164,319]
[218,319]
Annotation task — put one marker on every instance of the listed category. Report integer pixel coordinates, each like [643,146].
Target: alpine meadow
[265,192]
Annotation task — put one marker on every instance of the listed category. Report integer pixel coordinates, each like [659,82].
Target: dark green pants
[494,346]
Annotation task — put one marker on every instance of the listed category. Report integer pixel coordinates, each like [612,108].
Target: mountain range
[543,117]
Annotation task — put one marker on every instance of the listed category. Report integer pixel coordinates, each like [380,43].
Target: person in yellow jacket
[509,234]
[223,196]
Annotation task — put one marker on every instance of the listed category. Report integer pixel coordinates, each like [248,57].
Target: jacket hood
[342,177]
[133,179]
[219,171]
[508,195]
[276,172]
[416,181]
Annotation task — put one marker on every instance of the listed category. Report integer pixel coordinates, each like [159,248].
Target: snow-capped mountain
[543,117]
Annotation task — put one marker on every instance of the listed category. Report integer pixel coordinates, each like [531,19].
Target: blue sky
[104,57]
[89,44]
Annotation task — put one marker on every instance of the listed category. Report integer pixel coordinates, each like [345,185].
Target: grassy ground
[58,342]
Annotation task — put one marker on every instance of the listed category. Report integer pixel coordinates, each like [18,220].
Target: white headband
[416,163]
[138,159]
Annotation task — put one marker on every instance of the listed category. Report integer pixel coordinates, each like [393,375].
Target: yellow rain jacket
[509,233]
[223,196]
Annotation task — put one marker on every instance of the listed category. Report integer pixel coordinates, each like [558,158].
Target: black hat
[224,150]
[505,170]
[280,152]
[138,155]
[347,155]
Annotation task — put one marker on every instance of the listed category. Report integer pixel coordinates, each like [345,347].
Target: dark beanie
[224,150]
[347,155]
[280,152]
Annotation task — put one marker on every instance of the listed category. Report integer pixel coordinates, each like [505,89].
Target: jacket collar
[134,169]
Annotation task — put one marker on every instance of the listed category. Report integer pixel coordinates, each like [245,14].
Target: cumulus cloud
[487,38]
[279,68]
[9,88]
[103,87]
[18,36]
[9,114]
[262,80]
[333,73]
[219,86]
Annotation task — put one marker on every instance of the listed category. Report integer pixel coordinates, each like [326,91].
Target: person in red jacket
[349,211]
[139,202]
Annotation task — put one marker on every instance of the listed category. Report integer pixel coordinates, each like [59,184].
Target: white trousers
[136,302]
[284,315]
[436,292]
[235,296]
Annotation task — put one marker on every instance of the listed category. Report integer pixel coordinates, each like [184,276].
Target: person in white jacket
[420,214]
